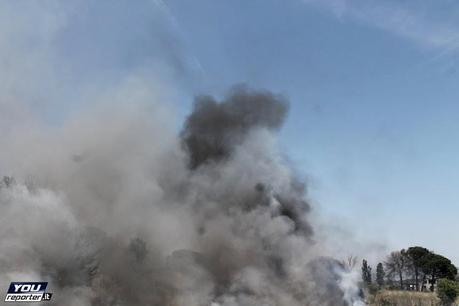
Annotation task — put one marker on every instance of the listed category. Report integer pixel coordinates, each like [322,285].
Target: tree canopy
[366,273]
[419,264]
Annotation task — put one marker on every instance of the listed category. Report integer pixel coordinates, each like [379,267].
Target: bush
[373,288]
[447,291]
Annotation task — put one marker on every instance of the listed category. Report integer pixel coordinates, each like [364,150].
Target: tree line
[410,269]
[414,268]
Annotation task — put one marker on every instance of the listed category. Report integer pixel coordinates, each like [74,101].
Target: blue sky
[373,91]
[372,87]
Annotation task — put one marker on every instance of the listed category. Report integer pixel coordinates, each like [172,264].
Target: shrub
[373,288]
[447,291]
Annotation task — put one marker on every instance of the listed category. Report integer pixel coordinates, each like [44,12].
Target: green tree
[417,257]
[419,262]
[436,267]
[396,264]
[447,291]
[380,274]
[366,273]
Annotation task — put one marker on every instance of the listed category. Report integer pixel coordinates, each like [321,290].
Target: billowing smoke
[214,129]
[117,210]
[104,199]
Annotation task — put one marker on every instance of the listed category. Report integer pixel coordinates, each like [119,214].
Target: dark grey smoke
[215,217]
[213,131]
[214,128]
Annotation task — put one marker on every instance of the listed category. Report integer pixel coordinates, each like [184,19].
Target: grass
[403,298]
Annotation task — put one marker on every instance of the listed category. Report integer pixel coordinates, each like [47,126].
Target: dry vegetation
[403,298]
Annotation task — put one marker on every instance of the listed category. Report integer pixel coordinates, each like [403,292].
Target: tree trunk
[401,280]
[423,282]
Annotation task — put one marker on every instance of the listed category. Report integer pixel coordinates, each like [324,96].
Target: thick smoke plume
[214,129]
[106,201]
[116,210]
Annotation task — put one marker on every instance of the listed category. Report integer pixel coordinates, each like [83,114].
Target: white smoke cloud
[349,284]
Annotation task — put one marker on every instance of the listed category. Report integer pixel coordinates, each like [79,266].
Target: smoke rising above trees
[215,216]
[112,206]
